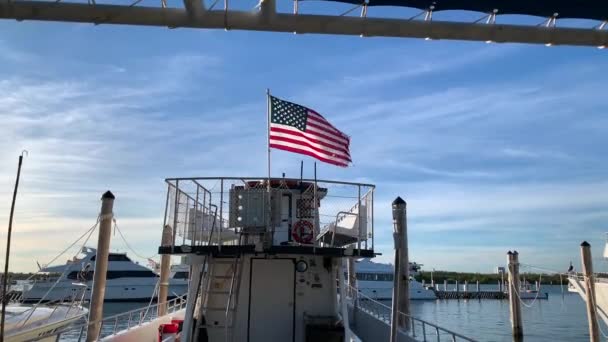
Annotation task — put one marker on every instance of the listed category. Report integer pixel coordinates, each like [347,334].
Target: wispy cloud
[494,147]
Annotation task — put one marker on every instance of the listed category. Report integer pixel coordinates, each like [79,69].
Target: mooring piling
[401,284]
[165,271]
[594,335]
[101,266]
[514,304]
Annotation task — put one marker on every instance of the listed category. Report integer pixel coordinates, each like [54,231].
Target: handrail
[173,305]
[387,317]
[168,180]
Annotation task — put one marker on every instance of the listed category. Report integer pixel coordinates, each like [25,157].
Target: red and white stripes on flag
[298,129]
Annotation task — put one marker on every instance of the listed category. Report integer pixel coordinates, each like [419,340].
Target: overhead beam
[300,23]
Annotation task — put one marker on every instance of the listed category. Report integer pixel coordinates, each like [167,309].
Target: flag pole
[268,202]
[268,110]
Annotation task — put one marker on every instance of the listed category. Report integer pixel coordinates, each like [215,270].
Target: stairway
[220,297]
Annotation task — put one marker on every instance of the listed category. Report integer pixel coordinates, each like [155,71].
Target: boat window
[88,275]
[180,275]
[375,276]
[114,257]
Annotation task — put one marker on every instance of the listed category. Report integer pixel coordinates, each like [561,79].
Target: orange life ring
[303,231]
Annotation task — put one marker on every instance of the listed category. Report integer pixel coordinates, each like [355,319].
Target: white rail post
[165,270]
[401,284]
[514,305]
[101,266]
[594,335]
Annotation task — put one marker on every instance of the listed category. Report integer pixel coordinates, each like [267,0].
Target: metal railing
[114,324]
[217,210]
[419,329]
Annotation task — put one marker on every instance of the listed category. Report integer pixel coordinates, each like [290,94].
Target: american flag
[298,129]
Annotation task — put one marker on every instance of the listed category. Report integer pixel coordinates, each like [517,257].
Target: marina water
[562,317]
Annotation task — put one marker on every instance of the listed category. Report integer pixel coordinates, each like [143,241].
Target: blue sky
[495,147]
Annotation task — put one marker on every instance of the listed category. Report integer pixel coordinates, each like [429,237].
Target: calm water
[560,318]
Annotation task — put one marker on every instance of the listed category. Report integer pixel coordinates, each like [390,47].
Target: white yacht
[375,280]
[126,280]
[576,283]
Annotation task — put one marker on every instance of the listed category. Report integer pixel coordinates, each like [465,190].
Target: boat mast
[8,247]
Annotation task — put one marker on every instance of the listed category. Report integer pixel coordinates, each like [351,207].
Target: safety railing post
[219,235]
[115,325]
[424,332]
[175,212]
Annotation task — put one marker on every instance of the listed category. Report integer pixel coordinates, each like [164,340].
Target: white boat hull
[43,324]
[120,290]
[601,294]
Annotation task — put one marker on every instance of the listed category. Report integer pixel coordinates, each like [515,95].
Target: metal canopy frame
[194,14]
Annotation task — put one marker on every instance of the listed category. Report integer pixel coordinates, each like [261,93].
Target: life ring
[303,231]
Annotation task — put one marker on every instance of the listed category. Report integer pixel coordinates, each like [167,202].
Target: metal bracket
[550,22]
[490,18]
[428,14]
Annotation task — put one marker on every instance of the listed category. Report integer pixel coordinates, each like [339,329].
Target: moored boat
[127,281]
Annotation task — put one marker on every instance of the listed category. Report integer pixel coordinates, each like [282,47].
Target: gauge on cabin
[301,266]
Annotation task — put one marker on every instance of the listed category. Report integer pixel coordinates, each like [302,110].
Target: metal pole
[101,267]
[316,208]
[269,119]
[594,335]
[359,219]
[401,278]
[8,248]
[270,227]
[175,213]
[352,277]
[165,270]
[514,305]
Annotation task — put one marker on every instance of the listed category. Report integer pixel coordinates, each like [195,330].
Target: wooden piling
[594,335]
[445,285]
[514,304]
[401,284]
[165,271]
[478,286]
[101,266]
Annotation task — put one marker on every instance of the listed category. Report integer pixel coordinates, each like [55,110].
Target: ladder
[220,297]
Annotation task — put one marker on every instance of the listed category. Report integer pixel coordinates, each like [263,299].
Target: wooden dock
[486,295]
[471,295]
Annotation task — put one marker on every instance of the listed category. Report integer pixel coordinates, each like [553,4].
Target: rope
[127,244]
[89,231]
[154,294]
[535,297]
